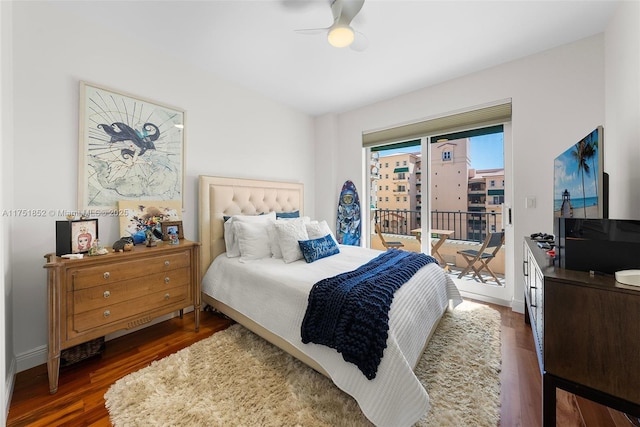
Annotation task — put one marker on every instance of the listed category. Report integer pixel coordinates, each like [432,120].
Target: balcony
[469,231]
[475,187]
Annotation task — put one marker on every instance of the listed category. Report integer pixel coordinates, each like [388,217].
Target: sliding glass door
[467,183]
[442,195]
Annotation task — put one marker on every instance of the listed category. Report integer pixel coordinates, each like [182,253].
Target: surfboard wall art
[348,223]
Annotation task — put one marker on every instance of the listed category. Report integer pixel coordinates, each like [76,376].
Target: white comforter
[274,295]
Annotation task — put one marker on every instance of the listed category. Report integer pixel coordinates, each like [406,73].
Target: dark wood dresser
[97,295]
[587,333]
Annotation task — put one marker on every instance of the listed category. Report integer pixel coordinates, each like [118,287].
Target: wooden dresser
[94,296]
[587,333]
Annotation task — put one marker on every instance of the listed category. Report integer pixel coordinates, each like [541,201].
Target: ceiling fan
[340,33]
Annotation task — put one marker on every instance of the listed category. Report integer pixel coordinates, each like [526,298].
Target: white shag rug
[235,378]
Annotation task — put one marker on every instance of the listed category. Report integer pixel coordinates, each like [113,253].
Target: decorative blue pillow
[294,214]
[315,249]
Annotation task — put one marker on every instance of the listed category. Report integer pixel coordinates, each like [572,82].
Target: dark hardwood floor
[79,400]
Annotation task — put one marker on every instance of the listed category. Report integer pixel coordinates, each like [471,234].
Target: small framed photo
[172,228]
[75,237]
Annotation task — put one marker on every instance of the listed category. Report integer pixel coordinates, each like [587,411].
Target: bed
[274,309]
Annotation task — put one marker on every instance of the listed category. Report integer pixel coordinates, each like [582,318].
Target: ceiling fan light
[341,36]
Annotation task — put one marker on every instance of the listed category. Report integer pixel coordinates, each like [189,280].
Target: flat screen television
[603,245]
[580,186]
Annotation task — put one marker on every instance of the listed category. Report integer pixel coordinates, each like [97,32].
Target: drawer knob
[166,263]
[106,313]
[166,280]
[167,296]
[106,274]
[106,294]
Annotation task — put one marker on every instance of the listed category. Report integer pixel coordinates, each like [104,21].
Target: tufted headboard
[219,196]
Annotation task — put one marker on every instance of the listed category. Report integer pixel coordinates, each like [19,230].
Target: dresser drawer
[83,278]
[109,294]
[135,308]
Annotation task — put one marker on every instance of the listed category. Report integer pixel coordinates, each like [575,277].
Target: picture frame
[75,236]
[169,226]
[130,148]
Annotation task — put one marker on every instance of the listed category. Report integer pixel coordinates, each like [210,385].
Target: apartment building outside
[463,199]
[397,193]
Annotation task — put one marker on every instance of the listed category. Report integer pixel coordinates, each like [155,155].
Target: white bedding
[274,295]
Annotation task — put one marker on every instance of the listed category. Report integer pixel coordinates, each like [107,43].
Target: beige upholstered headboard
[219,197]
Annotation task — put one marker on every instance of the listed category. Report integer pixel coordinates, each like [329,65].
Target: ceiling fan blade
[349,10]
[336,9]
[296,4]
[312,31]
[360,42]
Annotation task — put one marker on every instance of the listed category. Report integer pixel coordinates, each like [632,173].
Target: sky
[567,176]
[487,151]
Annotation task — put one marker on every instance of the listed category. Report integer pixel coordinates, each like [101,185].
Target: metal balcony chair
[395,245]
[490,247]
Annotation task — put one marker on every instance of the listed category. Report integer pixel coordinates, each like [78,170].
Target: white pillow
[289,232]
[276,252]
[273,242]
[253,239]
[230,240]
[316,230]
[304,219]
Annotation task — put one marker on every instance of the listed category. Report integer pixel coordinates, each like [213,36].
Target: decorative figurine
[97,249]
[173,239]
[125,244]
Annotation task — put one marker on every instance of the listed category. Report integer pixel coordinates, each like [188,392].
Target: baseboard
[29,359]
[39,355]
[484,298]
[517,306]
[8,388]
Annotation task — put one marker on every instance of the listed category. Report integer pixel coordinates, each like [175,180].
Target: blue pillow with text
[315,249]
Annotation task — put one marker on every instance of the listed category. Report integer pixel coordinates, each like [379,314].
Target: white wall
[557,96]
[230,132]
[7,361]
[622,131]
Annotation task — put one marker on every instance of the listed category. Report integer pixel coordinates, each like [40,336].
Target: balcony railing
[468,226]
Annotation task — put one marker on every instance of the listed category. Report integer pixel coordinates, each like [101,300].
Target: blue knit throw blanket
[350,312]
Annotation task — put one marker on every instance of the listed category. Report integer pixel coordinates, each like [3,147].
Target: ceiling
[412,44]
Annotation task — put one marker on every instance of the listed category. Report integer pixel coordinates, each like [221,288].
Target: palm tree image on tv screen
[578,179]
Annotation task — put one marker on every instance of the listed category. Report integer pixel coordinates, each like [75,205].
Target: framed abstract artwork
[130,149]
